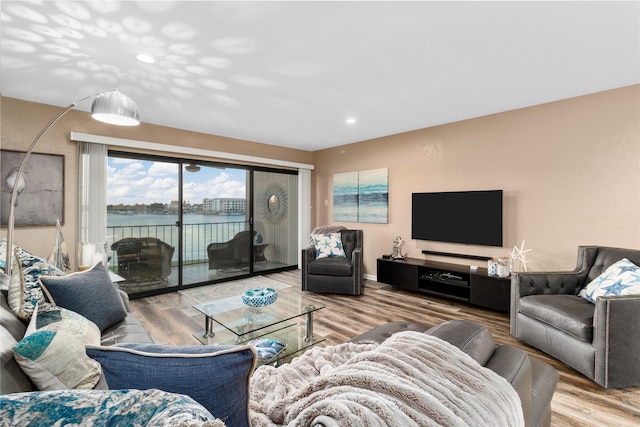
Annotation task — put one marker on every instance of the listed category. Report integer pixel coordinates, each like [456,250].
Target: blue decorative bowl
[259,297]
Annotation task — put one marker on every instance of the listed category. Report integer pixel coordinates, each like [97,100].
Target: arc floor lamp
[109,107]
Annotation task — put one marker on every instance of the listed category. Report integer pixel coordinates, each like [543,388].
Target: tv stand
[452,281]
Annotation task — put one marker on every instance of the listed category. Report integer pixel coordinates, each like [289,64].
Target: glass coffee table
[288,320]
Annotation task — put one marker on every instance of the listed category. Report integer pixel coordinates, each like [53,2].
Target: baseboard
[370,277]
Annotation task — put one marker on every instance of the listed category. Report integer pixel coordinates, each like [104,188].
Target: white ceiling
[290,73]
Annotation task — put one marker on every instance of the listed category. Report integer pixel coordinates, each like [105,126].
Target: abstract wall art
[361,196]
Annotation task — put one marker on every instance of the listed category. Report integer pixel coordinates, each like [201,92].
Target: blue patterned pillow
[104,408]
[215,376]
[328,245]
[24,288]
[621,278]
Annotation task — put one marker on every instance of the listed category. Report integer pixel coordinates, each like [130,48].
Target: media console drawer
[452,281]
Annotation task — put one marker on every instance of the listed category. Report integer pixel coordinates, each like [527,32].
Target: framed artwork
[373,196]
[345,197]
[42,200]
[361,196]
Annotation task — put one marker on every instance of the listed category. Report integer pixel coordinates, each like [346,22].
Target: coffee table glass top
[242,320]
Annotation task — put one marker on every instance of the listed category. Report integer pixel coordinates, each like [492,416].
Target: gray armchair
[335,275]
[602,340]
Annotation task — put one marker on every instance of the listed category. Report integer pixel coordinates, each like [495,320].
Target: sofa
[587,318]
[534,380]
[216,383]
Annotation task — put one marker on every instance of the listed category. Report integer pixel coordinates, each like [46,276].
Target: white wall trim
[176,149]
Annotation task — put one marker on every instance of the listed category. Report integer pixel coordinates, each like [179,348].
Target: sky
[132,181]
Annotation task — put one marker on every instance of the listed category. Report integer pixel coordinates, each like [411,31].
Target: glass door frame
[249,215]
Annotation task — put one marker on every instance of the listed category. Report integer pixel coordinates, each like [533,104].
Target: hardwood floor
[171,319]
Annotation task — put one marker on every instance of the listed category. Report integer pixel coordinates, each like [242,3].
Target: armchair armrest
[358,265]
[308,255]
[617,341]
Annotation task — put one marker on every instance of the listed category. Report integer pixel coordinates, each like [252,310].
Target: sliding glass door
[173,223]
[215,223]
[142,214]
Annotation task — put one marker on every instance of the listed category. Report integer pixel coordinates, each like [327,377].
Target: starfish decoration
[520,255]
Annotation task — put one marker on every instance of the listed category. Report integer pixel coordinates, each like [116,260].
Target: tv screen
[469,217]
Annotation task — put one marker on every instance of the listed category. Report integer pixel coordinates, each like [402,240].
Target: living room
[569,169]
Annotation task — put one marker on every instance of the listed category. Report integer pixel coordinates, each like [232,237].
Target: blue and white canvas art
[345,197]
[373,196]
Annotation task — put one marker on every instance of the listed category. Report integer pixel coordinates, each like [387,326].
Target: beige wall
[569,171]
[20,122]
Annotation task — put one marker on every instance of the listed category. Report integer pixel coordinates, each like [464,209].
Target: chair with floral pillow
[333,264]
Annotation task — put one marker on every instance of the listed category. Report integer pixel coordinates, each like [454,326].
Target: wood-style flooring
[171,319]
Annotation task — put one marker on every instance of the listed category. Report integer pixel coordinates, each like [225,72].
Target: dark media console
[451,281]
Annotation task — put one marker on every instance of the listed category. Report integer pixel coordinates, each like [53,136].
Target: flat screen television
[469,217]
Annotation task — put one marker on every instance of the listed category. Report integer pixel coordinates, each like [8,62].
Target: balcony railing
[196,237]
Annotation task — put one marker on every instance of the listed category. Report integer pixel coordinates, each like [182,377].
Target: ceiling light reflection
[17,46]
[25,13]
[74,9]
[70,32]
[179,31]
[137,25]
[94,30]
[46,31]
[25,35]
[109,26]
[66,21]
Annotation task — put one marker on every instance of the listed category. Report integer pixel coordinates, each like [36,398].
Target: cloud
[133,182]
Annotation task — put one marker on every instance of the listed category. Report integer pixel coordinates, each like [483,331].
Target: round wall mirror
[274,205]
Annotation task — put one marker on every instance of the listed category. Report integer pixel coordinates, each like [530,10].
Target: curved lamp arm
[113,104]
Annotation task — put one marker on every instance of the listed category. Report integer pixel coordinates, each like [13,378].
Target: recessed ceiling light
[147,59]
[350,121]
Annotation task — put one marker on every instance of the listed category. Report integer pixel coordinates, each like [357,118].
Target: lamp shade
[115,108]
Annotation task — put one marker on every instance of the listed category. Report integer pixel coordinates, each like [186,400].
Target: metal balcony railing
[196,237]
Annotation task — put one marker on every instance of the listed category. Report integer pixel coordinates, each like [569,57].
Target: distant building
[224,206]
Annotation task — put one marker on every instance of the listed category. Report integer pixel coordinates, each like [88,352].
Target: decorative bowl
[259,297]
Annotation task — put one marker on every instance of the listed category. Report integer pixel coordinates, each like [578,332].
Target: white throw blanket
[411,379]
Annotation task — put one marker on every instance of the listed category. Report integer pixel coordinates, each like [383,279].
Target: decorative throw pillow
[90,293]
[328,245]
[215,376]
[149,408]
[52,353]
[24,288]
[621,278]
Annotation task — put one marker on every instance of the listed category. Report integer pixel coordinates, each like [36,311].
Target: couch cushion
[621,278]
[569,313]
[90,293]
[13,379]
[331,267]
[470,337]
[128,330]
[328,245]
[215,376]
[104,408]
[52,353]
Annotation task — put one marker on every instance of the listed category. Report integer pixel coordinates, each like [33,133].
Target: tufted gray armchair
[335,275]
[602,340]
